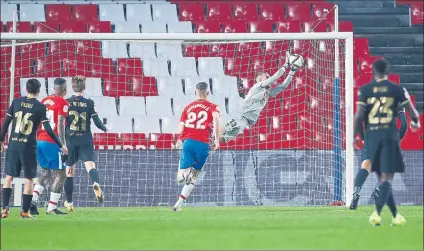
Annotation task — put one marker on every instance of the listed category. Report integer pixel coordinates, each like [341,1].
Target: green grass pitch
[213,228]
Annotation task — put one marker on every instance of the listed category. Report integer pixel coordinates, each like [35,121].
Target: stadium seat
[127,105]
[169,86]
[245,11]
[323,11]
[135,140]
[43,88]
[191,12]
[93,88]
[127,27]
[224,86]
[271,12]
[180,27]
[98,27]
[179,103]
[234,26]
[112,49]
[103,68]
[190,83]
[260,26]
[129,66]
[236,66]
[169,51]
[310,26]
[155,67]
[58,12]
[139,13]
[48,67]
[85,12]
[164,13]
[344,26]
[32,50]
[288,26]
[112,87]
[276,48]
[7,11]
[207,27]
[169,124]
[102,140]
[111,12]
[116,124]
[105,106]
[196,50]
[154,27]
[143,125]
[417,13]
[31,12]
[249,49]
[161,141]
[264,63]
[184,67]
[142,86]
[218,11]
[360,46]
[46,27]
[158,106]
[20,26]
[210,66]
[72,67]
[219,100]
[365,64]
[89,49]
[1,27]
[223,50]
[144,50]
[298,11]
[72,27]
[395,78]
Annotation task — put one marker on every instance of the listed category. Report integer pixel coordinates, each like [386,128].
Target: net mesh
[140,89]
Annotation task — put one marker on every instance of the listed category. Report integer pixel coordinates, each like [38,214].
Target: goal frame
[225,37]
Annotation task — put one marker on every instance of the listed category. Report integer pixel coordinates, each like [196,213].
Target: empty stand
[7,12]
[127,27]
[191,12]
[271,11]
[58,12]
[139,13]
[207,27]
[46,27]
[158,106]
[111,12]
[31,12]
[164,12]
[169,86]
[98,27]
[323,11]
[210,66]
[298,11]
[85,12]
[245,11]
[132,106]
[234,26]
[260,26]
[218,11]
[180,27]
[154,27]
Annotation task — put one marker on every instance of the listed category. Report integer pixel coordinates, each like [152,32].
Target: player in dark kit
[25,114]
[79,139]
[377,104]
[365,170]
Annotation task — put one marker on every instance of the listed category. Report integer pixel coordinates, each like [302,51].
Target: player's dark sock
[7,192]
[26,202]
[383,191]
[94,176]
[360,179]
[392,205]
[69,188]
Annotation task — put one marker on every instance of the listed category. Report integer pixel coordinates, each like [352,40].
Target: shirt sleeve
[362,100]
[404,97]
[215,109]
[183,116]
[43,112]
[10,110]
[93,109]
[63,110]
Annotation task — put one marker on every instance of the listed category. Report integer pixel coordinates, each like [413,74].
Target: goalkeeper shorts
[233,128]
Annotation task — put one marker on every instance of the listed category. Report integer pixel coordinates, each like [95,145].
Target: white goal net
[297,153]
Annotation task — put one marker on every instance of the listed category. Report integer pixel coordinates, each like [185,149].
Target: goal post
[328,57]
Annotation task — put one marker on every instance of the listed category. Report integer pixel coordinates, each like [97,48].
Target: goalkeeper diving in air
[257,97]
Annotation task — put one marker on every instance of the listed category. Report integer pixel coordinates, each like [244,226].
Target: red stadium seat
[362,80]
[245,11]
[129,67]
[249,48]
[161,140]
[102,140]
[99,27]
[234,27]
[72,27]
[143,86]
[207,27]
[57,48]
[288,26]
[191,12]
[218,11]
[344,26]
[90,49]
[223,50]
[276,48]
[47,67]
[20,27]
[417,13]
[113,87]
[58,12]
[365,64]
[260,26]
[85,12]
[72,67]
[46,27]
[237,66]
[323,11]
[32,50]
[298,11]
[267,63]
[103,69]
[1,27]
[196,50]
[360,46]
[271,11]
[135,140]
[24,68]
[310,26]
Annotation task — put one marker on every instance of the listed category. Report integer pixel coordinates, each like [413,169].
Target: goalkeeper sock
[187,189]
[392,205]
[38,190]
[69,187]
[7,192]
[94,176]
[26,202]
[360,179]
[54,199]
[383,191]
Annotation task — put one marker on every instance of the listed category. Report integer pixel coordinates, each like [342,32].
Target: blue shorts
[194,154]
[49,155]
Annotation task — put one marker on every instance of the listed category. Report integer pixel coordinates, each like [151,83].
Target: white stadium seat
[43,89]
[143,50]
[155,67]
[7,12]
[147,125]
[211,66]
[111,12]
[169,86]
[69,91]
[114,50]
[170,124]
[127,27]
[165,12]
[93,87]
[171,51]
[224,86]
[153,27]
[114,124]
[132,106]
[180,27]
[32,12]
[180,102]
[184,67]
[219,101]
[139,13]
[191,82]
[158,106]
[106,106]
[234,105]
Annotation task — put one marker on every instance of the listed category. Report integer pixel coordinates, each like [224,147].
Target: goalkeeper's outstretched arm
[285,83]
[274,77]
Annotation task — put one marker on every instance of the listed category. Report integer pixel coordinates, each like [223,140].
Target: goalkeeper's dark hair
[380,68]
[202,88]
[33,86]
[78,83]
[60,86]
